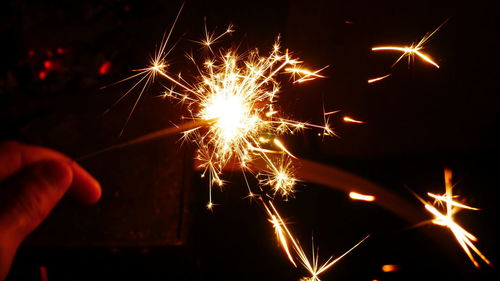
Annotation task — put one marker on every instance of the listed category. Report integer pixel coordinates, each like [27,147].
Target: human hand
[32,181]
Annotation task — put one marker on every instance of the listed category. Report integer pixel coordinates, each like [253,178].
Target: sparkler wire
[191,125]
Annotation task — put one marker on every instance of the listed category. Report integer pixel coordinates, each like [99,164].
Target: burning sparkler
[288,241]
[446,218]
[409,51]
[233,99]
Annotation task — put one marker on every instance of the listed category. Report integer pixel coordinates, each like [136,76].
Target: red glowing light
[105,68]
[31,53]
[48,64]
[42,74]
[60,51]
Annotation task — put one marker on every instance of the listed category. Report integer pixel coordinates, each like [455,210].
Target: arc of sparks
[412,50]
[446,219]
[288,241]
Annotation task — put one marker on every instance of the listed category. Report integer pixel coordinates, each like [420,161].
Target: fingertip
[85,187]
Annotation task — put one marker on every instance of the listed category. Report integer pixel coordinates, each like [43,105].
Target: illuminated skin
[446,219]
[287,240]
[409,51]
[32,181]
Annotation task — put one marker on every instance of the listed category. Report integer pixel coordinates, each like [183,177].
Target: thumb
[26,199]
[31,194]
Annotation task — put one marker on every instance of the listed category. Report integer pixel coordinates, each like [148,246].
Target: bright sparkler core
[233,116]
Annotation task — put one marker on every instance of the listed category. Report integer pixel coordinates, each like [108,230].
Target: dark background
[56,56]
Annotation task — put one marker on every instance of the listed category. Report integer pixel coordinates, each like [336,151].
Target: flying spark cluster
[444,209]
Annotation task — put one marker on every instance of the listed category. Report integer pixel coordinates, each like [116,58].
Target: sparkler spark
[288,241]
[410,51]
[446,219]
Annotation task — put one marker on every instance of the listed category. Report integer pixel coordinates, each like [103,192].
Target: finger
[14,156]
[84,187]
[30,195]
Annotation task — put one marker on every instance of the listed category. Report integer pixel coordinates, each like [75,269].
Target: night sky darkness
[418,121]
